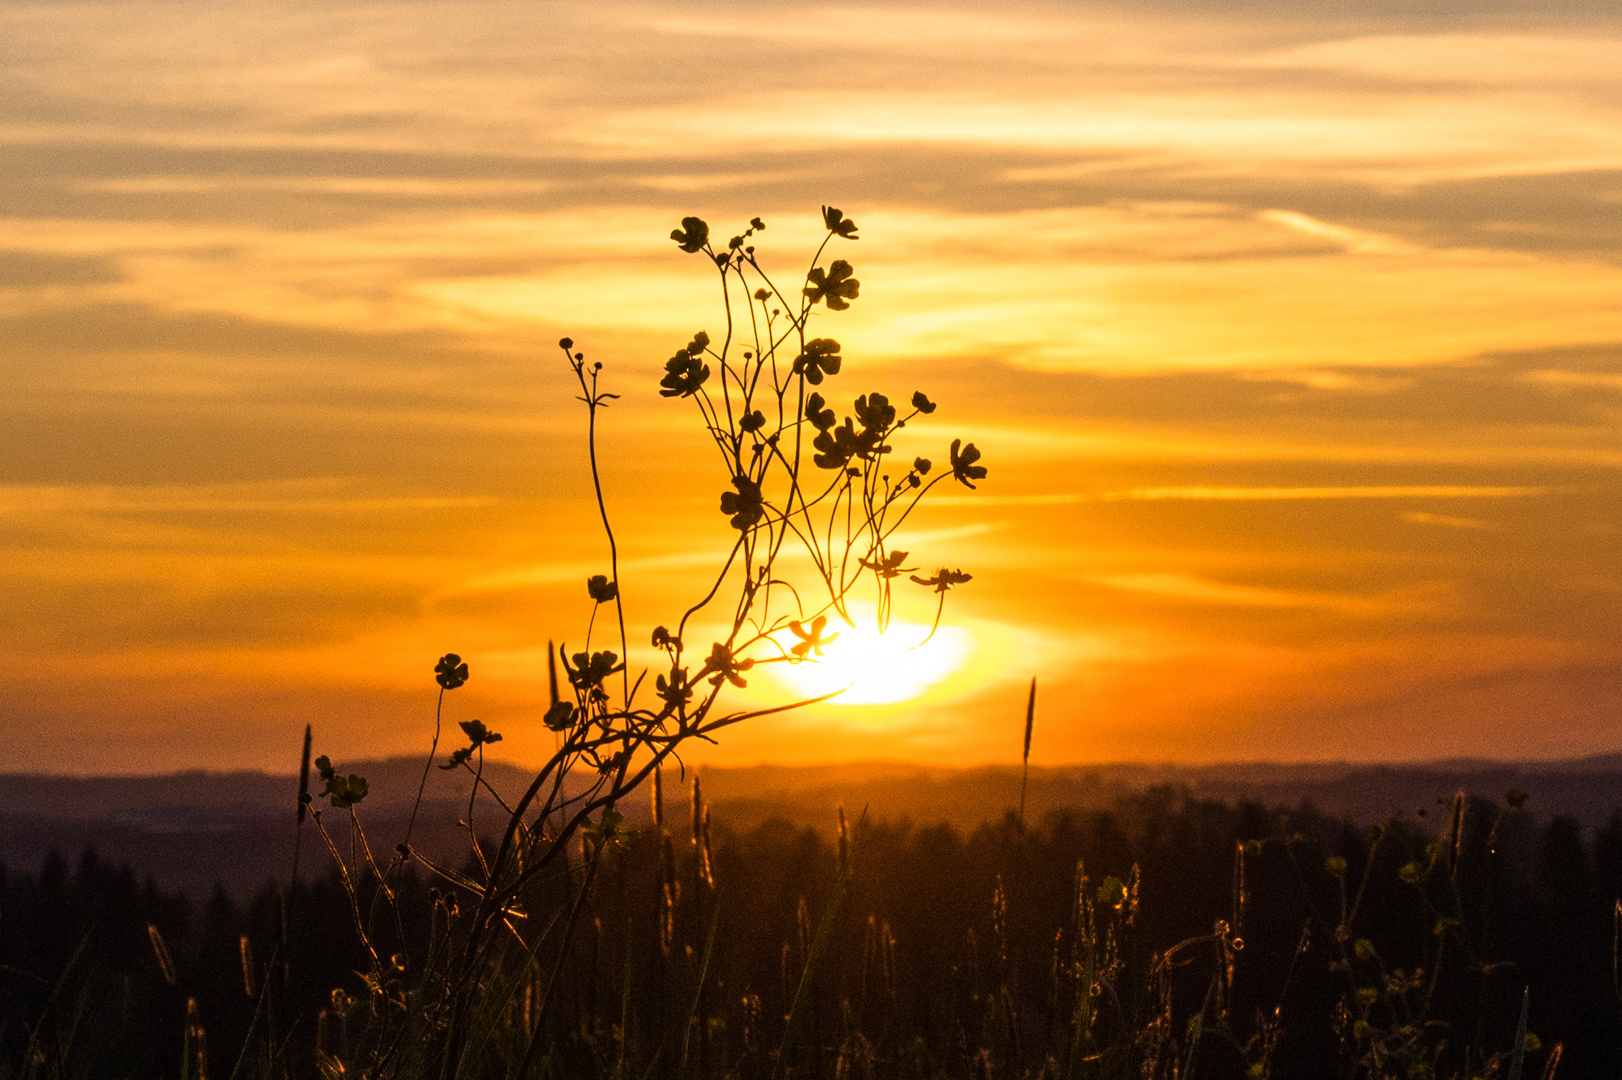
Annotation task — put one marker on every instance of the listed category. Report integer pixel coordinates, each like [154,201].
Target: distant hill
[1588,789]
[181,796]
[192,830]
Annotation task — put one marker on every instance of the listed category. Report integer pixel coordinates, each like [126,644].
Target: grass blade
[1517,1057]
[813,961]
[262,1000]
[698,995]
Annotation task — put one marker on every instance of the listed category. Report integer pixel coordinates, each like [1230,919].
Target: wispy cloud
[1552,377]
[1251,494]
[1421,517]
[1202,591]
[1247,494]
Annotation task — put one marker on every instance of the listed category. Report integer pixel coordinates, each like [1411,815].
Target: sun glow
[873,668]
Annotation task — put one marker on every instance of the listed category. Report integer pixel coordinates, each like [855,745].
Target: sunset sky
[1291,333]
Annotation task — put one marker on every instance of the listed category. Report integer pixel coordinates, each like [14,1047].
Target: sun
[870,668]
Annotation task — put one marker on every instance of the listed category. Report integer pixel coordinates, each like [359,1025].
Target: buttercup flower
[963,464]
[837,445]
[587,672]
[745,504]
[890,566]
[478,733]
[343,791]
[835,285]
[723,665]
[607,831]
[838,224]
[821,356]
[874,412]
[560,717]
[943,579]
[810,640]
[600,589]
[821,418]
[450,672]
[693,234]
[684,374]
[675,691]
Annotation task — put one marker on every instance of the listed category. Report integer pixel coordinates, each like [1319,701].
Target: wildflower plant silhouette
[793,474]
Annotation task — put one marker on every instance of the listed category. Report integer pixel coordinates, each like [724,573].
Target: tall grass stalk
[1025,756]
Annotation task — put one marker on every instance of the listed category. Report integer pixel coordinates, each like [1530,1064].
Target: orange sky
[1291,332]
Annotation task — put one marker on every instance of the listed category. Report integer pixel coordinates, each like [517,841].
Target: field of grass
[1167,938]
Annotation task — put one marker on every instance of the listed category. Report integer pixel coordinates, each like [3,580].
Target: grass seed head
[160,949]
[248,980]
[304,776]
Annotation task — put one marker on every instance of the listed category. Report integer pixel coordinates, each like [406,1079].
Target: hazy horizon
[868,766]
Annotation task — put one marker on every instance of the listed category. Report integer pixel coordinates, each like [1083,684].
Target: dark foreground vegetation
[1168,938]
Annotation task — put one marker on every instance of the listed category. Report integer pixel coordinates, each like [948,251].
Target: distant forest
[954,952]
[191,831]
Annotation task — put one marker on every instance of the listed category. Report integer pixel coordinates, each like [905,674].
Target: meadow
[1166,938]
